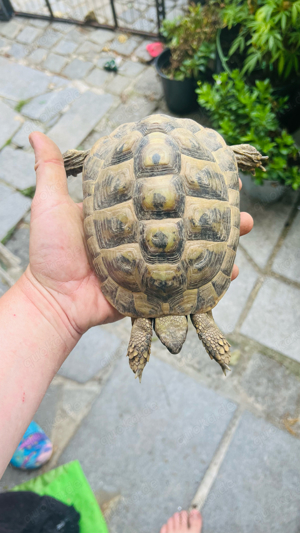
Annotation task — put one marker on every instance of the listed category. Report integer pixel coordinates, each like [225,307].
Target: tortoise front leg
[213,340]
[74,160]
[248,158]
[139,345]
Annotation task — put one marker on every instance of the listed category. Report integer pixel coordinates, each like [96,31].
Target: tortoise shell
[161,208]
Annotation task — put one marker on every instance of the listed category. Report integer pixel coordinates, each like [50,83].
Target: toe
[195,520]
[184,520]
[176,522]
[164,529]
[170,525]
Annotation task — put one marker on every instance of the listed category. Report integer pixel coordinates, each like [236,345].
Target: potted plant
[189,56]
[262,38]
[247,114]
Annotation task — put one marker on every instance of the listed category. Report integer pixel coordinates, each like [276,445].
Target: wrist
[43,307]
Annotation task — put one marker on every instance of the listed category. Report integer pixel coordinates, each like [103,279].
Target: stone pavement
[187,435]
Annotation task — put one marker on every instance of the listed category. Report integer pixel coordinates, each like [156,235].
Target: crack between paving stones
[216,463]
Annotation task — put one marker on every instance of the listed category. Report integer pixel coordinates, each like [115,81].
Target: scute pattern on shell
[162,216]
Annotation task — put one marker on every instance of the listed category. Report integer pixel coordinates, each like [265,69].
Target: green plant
[270,31]
[30,191]
[246,114]
[20,105]
[191,39]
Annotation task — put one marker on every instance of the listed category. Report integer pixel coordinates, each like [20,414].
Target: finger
[51,180]
[235,272]
[246,223]
[240,184]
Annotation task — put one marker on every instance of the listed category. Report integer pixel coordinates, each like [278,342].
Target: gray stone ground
[187,435]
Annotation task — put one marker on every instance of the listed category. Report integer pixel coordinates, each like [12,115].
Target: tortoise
[161,219]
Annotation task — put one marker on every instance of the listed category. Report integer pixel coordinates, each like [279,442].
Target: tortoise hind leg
[171,331]
[213,340]
[139,345]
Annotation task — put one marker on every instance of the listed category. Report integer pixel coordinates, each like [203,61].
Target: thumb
[51,179]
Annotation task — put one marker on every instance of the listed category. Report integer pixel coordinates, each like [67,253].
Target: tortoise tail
[73,161]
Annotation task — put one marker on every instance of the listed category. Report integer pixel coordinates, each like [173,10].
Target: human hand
[58,258]
[59,267]
[246,226]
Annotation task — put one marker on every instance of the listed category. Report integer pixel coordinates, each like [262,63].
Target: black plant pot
[180,96]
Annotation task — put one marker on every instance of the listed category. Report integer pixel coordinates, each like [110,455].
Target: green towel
[68,484]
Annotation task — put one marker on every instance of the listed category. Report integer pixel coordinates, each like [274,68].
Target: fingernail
[31,141]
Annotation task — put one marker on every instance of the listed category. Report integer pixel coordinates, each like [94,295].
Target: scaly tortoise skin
[162,218]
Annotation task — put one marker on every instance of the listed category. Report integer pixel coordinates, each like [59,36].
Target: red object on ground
[154,49]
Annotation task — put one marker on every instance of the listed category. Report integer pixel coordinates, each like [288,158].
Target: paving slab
[131,69]
[21,138]
[9,123]
[133,110]
[13,207]
[65,47]
[96,349]
[18,51]
[18,82]
[62,27]
[229,309]
[10,29]
[49,38]
[269,221]
[150,443]
[273,390]
[3,288]
[101,36]
[18,244]
[126,48]
[37,56]
[17,168]
[88,50]
[28,35]
[76,124]
[149,85]
[97,77]
[257,488]
[77,69]
[274,318]
[55,63]
[39,23]
[50,104]
[118,84]
[287,260]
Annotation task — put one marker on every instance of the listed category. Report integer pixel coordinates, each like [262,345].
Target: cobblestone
[13,207]
[9,123]
[77,69]
[55,63]
[17,168]
[28,35]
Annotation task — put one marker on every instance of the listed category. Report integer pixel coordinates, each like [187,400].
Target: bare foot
[184,523]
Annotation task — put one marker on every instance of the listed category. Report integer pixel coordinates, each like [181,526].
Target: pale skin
[55,301]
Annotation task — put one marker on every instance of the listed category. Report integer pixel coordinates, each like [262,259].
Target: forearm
[35,339]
